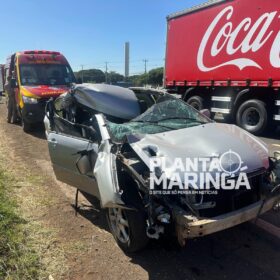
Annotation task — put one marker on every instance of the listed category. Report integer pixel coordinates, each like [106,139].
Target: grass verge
[17,258]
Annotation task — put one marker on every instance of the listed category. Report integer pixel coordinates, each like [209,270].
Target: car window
[63,126]
[147,98]
[58,106]
[73,121]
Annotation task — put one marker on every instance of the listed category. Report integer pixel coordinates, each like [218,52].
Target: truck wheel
[128,228]
[27,127]
[196,102]
[252,116]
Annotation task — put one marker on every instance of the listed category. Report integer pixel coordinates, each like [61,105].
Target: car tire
[128,227]
[252,116]
[196,102]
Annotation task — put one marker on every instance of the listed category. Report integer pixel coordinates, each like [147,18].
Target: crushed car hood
[204,141]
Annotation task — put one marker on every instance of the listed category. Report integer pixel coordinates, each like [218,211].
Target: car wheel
[252,116]
[196,102]
[128,228]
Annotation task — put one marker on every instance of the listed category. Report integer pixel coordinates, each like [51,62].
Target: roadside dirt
[82,248]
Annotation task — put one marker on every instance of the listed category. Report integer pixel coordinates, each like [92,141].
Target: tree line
[154,77]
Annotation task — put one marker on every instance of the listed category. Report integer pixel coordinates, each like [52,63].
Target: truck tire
[252,116]
[196,102]
[128,227]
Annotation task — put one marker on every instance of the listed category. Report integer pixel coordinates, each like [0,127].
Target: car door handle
[53,141]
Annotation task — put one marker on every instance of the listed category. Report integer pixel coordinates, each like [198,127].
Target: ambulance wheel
[27,127]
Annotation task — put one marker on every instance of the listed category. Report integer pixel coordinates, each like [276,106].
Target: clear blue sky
[90,32]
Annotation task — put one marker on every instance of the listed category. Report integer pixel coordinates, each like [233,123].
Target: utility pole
[145,63]
[106,72]
[82,66]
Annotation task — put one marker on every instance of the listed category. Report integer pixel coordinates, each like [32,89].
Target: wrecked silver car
[157,165]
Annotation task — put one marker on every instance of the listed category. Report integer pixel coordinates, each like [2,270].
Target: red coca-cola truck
[224,56]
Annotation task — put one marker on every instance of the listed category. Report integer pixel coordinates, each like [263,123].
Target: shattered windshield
[167,114]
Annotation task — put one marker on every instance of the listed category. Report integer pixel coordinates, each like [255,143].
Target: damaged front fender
[105,171]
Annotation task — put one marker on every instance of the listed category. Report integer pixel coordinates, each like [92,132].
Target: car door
[65,151]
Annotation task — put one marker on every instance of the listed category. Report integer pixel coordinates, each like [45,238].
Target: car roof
[147,90]
[107,99]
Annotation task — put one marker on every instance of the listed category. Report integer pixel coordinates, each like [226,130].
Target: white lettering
[275,52]
[258,43]
[245,24]
[227,36]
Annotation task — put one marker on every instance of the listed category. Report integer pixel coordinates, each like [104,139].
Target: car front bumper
[188,226]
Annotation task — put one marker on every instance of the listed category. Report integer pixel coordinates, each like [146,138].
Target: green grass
[17,258]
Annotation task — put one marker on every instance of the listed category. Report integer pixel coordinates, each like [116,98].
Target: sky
[90,32]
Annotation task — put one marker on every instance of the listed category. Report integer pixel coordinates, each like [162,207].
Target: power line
[137,61]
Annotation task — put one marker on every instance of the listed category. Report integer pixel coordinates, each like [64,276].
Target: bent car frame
[148,157]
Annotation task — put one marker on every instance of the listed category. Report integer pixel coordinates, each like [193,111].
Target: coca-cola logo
[256,33]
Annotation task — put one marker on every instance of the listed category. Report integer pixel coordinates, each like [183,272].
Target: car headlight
[29,100]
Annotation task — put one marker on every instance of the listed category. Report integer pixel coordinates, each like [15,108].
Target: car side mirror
[49,109]
[83,165]
[13,83]
[206,113]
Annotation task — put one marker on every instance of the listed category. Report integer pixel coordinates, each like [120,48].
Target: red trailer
[224,56]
